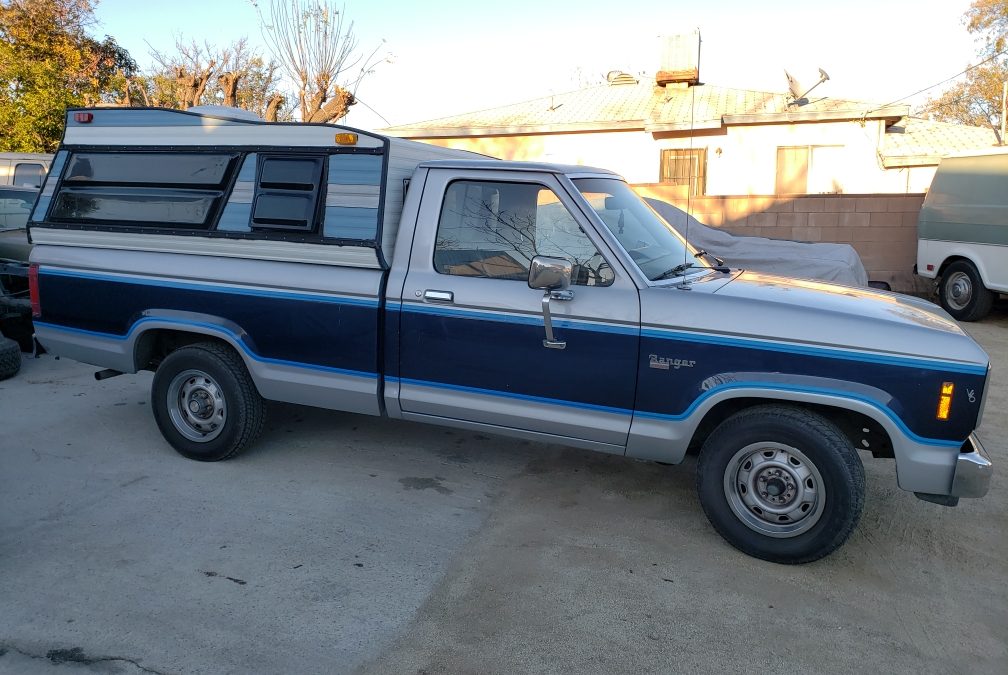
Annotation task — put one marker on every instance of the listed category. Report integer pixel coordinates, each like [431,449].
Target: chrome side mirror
[552,275]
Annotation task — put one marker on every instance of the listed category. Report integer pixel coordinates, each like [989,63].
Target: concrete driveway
[343,543]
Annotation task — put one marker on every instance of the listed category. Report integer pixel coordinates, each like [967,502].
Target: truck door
[472,336]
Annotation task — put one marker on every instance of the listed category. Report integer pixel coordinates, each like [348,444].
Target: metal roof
[643,106]
[916,142]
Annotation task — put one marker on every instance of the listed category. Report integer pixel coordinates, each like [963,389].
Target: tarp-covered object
[838,263]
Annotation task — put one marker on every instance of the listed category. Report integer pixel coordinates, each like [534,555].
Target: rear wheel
[780,483]
[962,292]
[205,402]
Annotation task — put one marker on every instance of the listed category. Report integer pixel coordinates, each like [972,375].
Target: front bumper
[973,470]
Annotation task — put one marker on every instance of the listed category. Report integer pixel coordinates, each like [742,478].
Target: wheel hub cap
[960,291]
[774,489]
[196,406]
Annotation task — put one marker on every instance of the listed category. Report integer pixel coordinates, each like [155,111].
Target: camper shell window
[163,190]
[287,193]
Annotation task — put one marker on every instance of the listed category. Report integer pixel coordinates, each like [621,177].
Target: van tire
[205,402]
[962,292]
[10,358]
[781,483]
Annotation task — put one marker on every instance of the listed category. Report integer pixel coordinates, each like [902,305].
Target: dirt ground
[343,543]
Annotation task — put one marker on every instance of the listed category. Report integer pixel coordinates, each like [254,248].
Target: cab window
[494,229]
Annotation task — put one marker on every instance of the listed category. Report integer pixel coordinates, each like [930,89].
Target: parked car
[824,261]
[962,232]
[23,168]
[15,308]
[321,265]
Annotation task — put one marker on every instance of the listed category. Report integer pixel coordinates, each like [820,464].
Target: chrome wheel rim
[774,489]
[196,406]
[958,290]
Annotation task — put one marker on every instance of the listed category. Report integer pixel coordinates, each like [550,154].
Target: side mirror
[550,274]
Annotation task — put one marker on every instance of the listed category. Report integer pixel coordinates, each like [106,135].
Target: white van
[23,168]
[962,232]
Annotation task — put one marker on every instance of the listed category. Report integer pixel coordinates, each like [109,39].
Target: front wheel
[782,484]
[205,402]
[962,292]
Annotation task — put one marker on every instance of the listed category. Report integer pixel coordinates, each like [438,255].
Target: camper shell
[188,181]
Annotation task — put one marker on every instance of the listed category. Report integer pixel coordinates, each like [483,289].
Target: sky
[451,57]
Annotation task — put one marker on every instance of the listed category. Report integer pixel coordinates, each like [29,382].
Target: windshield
[652,243]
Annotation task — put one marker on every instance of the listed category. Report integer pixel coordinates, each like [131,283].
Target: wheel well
[951,259]
[862,431]
[154,345]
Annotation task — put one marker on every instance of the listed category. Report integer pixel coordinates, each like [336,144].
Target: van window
[165,190]
[28,174]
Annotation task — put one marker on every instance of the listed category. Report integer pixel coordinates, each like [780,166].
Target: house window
[686,168]
[809,169]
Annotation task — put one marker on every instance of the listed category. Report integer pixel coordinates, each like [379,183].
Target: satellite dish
[797,94]
[793,86]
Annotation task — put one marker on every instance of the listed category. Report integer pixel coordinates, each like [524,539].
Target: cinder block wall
[882,228]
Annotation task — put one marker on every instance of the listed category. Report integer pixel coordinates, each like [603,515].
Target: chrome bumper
[973,471]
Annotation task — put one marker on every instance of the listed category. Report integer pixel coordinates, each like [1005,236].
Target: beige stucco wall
[743,161]
[745,165]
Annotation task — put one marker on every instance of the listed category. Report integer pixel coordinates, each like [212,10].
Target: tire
[10,358]
[780,483]
[205,402]
[962,292]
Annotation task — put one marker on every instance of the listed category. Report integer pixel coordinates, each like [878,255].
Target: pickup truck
[244,261]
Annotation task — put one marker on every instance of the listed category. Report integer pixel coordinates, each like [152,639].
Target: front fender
[922,465]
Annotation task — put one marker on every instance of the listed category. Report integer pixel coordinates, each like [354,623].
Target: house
[702,139]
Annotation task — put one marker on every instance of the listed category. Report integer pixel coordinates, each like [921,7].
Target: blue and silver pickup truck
[244,261]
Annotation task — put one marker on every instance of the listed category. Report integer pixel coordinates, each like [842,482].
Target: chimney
[680,59]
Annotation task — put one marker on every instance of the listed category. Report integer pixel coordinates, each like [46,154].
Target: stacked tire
[10,358]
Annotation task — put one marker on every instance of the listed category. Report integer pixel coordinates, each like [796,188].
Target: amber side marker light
[346,139]
[945,400]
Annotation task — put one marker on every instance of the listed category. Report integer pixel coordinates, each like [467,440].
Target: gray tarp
[839,263]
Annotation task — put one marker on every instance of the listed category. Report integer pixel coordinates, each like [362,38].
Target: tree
[976,100]
[48,63]
[317,48]
[201,74]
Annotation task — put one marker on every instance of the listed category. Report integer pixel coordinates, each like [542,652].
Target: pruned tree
[196,74]
[49,62]
[315,44]
[976,99]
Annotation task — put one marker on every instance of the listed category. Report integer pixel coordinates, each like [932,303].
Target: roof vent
[617,77]
[680,59]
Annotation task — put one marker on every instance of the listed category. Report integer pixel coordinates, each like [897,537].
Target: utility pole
[1004,104]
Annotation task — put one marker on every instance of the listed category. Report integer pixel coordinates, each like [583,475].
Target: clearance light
[945,400]
[83,117]
[346,139]
[33,290]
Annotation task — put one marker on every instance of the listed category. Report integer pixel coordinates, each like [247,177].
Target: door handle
[438,296]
